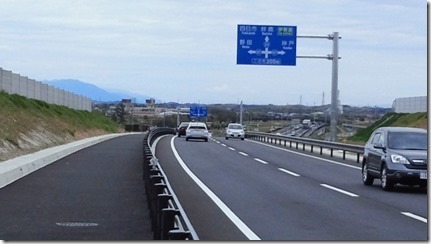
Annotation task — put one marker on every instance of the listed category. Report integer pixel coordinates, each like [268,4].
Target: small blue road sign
[266,45]
[198,112]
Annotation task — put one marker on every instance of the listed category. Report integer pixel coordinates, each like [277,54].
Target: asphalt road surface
[248,190]
[94,194]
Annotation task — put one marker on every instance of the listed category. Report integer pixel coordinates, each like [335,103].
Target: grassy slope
[419,120]
[21,117]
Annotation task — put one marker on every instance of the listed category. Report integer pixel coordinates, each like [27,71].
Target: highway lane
[96,193]
[281,195]
[348,175]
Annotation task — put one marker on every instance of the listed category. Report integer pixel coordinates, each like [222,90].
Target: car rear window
[194,127]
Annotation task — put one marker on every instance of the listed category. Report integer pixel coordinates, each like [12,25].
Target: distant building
[410,105]
[150,102]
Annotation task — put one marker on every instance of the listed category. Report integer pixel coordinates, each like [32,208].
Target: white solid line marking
[244,154]
[226,210]
[289,172]
[415,217]
[260,161]
[339,190]
[231,148]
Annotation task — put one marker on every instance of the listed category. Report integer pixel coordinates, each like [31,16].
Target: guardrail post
[153,180]
[162,202]
[157,189]
[168,221]
[178,235]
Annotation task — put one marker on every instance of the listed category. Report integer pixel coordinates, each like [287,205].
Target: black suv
[182,129]
[396,155]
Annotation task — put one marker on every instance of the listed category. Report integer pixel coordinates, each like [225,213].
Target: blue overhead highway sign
[198,112]
[266,45]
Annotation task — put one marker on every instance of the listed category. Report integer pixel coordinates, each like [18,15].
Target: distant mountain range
[95,93]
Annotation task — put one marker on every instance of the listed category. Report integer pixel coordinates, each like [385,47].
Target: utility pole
[334,87]
[240,113]
[334,90]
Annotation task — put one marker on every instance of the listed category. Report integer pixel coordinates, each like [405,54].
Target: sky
[186,51]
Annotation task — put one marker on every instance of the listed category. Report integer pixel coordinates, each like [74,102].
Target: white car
[197,130]
[234,130]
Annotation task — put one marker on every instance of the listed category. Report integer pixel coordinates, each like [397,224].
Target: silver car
[197,130]
[234,130]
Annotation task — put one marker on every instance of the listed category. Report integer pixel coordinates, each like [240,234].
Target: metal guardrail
[280,139]
[168,219]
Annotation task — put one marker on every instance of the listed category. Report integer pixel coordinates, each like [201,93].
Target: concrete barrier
[16,168]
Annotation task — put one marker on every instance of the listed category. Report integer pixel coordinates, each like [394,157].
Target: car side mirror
[379,146]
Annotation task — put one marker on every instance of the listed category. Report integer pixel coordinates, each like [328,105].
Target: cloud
[168,47]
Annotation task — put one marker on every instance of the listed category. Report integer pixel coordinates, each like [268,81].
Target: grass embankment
[418,120]
[29,125]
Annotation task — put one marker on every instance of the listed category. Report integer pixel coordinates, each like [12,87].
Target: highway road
[96,193]
[246,190]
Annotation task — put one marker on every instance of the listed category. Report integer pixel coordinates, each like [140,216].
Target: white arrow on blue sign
[266,45]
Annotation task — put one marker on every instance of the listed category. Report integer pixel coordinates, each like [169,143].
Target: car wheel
[206,139]
[367,179]
[242,139]
[387,184]
[179,135]
[227,138]
[187,139]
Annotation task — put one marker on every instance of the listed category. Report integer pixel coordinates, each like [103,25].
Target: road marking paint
[76,224]
[243,153]
[231,148]
[306,155]
[339,190]
[288,172]
[260,161]
[223,144]
[414,216]
[226,210]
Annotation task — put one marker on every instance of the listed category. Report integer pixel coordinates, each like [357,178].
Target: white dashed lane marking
[260,161]
[339,190]
[288,172]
